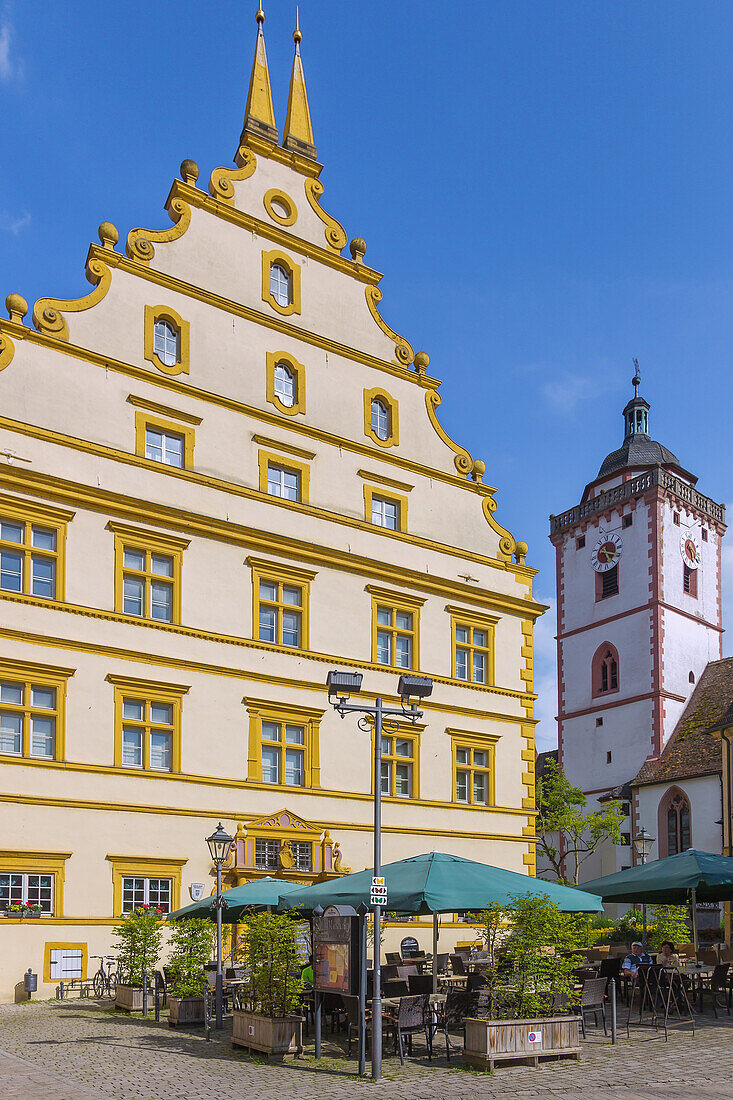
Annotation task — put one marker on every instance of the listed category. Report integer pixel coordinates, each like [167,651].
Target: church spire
[298,135]
[636,413]
[259,117]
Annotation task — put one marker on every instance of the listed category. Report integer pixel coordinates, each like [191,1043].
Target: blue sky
[545,185]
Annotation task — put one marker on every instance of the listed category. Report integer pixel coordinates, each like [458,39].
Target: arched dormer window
[285,384]
[605,670]
[166,343]
[380,418]
[691,677]
[280,285]
[675,823]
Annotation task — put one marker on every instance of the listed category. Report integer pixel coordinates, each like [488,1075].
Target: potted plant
[270,1022]
[21,909]
[191,942]
[529,996]
[138,949]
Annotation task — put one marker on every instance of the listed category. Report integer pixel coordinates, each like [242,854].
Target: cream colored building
[222,473]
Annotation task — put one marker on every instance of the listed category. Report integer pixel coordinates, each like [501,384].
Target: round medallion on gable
[280,207]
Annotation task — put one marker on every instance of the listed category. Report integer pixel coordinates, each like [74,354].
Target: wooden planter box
[129,998]
[490,1041]
[185,1010]
[276,1037]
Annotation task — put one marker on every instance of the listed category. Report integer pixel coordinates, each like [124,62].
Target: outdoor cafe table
[696,972]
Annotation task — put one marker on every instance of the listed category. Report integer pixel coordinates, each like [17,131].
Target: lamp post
[643,844]
[220,845]
[341,685]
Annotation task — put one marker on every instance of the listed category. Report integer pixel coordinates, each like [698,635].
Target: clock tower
[638,615]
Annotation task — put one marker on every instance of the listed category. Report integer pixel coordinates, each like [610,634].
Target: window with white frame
[385,513]
[28,554]
[66,963]
[285,385]
[282,482]
[166,342]
[397,761]
[163,446]
[280,284]
[395,636]
[472,653]
[18,888]
[267,854]
[28,714]
[380,418]
[473,768]
[146,891]
[283,754]
[280,613]
[147,730]
[147,582]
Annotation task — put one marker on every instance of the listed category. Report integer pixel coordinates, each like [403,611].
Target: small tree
[138,945]
[670,923]
[270,952]
[568,834]
[192,944]
[528,974]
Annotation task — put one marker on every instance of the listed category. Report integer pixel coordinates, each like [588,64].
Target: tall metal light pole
[643,844]
[220,845]
[341,685]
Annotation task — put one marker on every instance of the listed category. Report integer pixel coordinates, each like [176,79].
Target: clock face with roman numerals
[606,552]
[690,550]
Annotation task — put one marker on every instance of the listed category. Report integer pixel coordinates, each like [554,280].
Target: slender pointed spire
[259,116]
[298,134]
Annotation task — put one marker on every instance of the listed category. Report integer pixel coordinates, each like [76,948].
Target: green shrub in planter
[191,947]
[138,946]
[270,953]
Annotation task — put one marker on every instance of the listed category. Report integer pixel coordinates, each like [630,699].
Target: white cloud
[13,223]
[11,66]
[545,675]
[565,392]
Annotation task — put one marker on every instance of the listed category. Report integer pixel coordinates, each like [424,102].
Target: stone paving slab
[65,1050]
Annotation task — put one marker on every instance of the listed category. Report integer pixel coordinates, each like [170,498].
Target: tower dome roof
[638,447]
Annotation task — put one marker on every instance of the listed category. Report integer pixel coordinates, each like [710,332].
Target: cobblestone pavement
[80,1050]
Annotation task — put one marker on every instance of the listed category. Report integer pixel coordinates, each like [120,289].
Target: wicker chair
[592,999]
[716,987]
[420,983]
[393,958]
[414,1015]
[457,965]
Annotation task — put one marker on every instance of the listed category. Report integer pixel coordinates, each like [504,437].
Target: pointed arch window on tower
[605,670]
[166,343]
[380,419]
[280,284]
[285,384]
[675,823]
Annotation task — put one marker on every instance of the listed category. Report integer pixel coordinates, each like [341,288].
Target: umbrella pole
[694,918]
[435,952]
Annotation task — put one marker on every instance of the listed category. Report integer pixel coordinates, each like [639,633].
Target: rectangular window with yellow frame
[400,763]
[32,703]
[147,724]
[385,509]
[145,880]
[147,573]
[32,882]
[395,628]
[474,768]
[284,477]
[32,545]
[281,603]
[164,441]
[283,744]
[472,646]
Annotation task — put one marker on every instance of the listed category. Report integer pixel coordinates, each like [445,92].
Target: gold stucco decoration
[48,313]
[507,542]
[463,461]
[189,172]
[7,351]
[108,235]
[17,307]
[140,242]
[221,184]
[357,248]
[422,362]
[402,350]
[335,232]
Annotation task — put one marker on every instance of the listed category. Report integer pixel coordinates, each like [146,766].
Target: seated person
[306,974]
[668,954]
[637,958]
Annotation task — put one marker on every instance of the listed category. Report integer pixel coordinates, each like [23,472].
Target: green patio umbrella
[438,883]
[261,892]
[693,875]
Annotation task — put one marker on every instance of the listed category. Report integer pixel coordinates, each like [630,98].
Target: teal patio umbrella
[257,894]
[693,875]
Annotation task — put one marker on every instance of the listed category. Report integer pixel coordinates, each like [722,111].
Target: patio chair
[716,987]
[610,968]
[443,961]
[458,1005]
[389,972]
[477,979]
[458,966]
[707,956]
[592,1000]
[404,972]
[351,1009]
[393,958]
[726,954]
[396,988]
[420,983]
[414,1015]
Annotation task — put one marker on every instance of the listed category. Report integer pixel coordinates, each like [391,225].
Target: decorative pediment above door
[285,846]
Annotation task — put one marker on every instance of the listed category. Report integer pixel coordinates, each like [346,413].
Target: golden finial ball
[108,234]
[189,171]
[358,248]
[521,551]
[422,362]
[297,36]
[479,467]
[260,17]
[16,306]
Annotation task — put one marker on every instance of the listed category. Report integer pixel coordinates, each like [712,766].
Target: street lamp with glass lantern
[342,685]
[220,845]
[643,844]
